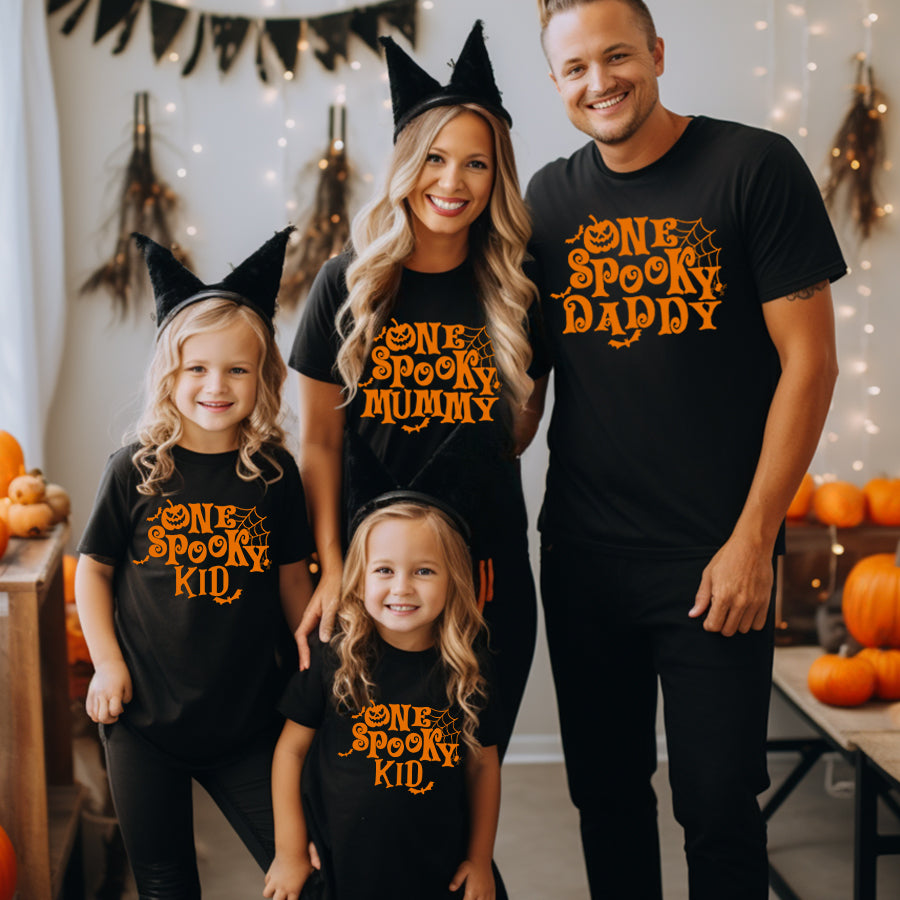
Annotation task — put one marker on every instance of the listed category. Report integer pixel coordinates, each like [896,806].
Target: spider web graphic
[251,520]
[695,234]
[449,729]
[477,339]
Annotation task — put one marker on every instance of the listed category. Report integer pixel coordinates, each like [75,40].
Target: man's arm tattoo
[807,292]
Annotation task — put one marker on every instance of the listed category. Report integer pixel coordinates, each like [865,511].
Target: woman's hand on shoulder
[320,612]
[287,875]
[478,880]
[108,692]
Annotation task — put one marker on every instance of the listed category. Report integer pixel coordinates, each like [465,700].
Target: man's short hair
[547,9]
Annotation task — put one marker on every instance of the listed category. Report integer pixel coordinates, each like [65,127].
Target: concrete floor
[538,849]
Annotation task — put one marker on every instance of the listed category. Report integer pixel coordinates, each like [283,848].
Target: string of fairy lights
[849,432]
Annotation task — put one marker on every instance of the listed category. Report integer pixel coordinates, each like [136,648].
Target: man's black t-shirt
[652,284]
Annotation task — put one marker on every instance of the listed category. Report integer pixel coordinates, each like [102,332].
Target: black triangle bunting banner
[228,37]
[229,32]
[285,36]
[165,23]
[110,14]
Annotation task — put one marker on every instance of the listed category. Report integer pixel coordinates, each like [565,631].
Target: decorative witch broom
[145,205]
[858,152]
[328,228]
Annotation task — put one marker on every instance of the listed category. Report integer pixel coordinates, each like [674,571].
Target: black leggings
[151,793]
[615,626]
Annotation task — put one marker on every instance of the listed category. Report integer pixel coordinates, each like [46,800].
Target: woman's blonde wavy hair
[382,239]
[455,629]
[160,427]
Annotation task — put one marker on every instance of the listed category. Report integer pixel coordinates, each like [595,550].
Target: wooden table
[867,736]
[40,806]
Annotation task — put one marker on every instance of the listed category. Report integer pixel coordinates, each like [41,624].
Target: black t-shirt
[197,607]
[384,791]
[652,284]
[429,392]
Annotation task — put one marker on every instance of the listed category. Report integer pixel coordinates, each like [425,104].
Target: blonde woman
[414,348]
[192,574]
[391,733]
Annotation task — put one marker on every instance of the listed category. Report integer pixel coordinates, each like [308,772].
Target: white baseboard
[547,748]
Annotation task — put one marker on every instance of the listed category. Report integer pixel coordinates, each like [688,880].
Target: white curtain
[32,290]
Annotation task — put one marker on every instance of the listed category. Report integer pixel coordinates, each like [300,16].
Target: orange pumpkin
[30,519]
[70,563]
[840,680]
[871,600]
[883,500]
[4,537]
[400,337]
[802,502]
[887,671]
[8,869]
[12,461]
[839,503]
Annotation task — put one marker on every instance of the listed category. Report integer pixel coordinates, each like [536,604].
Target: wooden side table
[40,806]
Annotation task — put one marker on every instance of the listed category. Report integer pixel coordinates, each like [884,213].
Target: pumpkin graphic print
[425,372]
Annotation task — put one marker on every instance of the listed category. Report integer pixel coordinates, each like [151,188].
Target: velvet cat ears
[254,283]
[413,90]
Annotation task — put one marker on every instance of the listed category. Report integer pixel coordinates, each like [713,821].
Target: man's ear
[659,56]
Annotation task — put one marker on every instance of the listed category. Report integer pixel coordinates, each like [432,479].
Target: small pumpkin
[70,563]
[802,502]
[887,671]
[58,500]
[871,600]
[12,461]
[30,519]
[8,867]
[27,488]
[4,509]
[839,503]
[376,716]
[841,680]
[883,500]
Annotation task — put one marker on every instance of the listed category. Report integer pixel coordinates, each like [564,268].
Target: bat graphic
[367,383]
[140,562]
[427,787]
[563,295]
[348,752]
[572,240]
[158,514]
[223,600]
[411,429]
[628,341]
[381,333]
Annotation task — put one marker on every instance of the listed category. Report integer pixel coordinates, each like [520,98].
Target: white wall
[713,52]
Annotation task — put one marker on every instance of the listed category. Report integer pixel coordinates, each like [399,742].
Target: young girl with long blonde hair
[392,730]
[414,351]
[192,573]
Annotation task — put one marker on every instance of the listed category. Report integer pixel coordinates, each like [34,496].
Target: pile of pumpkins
[846,505]
[29,506]
[871,608]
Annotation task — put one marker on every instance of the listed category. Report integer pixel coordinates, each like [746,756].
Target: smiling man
[684,266]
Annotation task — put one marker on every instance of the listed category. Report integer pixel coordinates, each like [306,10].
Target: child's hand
[108,692]
[479,881]
[287,875]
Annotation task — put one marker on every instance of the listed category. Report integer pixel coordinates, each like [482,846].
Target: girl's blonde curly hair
[160,427]
[455,629]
